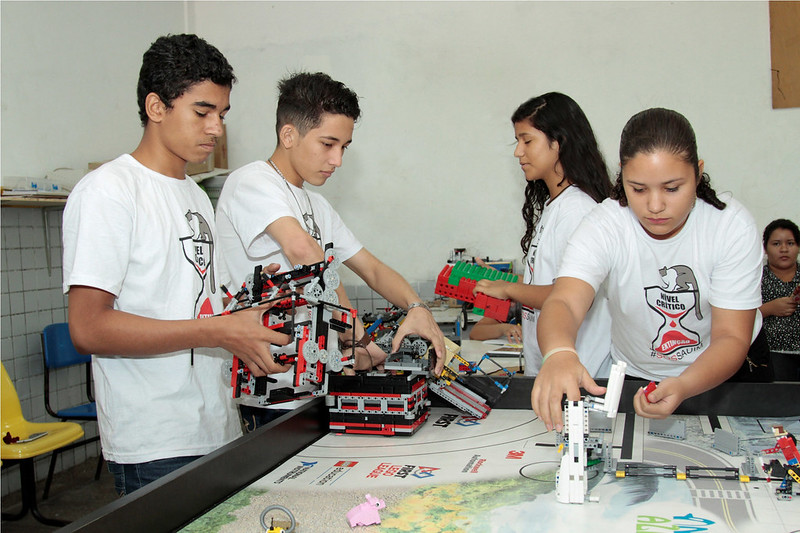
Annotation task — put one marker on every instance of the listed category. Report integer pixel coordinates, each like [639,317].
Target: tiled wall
[365,300]
[32,299]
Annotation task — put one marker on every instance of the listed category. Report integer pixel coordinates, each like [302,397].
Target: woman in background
[780,292]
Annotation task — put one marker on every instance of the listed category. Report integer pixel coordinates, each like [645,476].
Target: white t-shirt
[148,239]
[661,291]
[559,219]
[254,197]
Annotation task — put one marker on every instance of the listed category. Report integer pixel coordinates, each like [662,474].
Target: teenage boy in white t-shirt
[141,267]
[266,215]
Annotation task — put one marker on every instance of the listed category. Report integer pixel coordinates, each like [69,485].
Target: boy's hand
[420,321]
[244,335]
[367,358]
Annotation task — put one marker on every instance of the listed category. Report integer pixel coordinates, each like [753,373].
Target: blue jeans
[132,476]
[255,417]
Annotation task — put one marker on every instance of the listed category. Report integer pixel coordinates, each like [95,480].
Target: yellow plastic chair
[34,439]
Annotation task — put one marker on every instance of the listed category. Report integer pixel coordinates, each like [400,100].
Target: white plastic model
[571,480]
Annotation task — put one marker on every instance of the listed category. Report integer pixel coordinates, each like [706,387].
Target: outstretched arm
[731,332]
[97,328]
[562,371]
[392,286]
[528,295]
[489,328]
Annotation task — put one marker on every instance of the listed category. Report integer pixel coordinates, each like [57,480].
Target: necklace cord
[313,228]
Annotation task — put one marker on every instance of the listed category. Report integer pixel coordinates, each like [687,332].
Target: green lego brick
[475,272]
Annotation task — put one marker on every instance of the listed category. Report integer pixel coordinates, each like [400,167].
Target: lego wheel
[323,356]
[419,347]
[331,279]
[313,290]
[311,352]
[335,363]
[330,296]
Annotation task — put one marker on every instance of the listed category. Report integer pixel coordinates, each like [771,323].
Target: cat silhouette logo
[198,248]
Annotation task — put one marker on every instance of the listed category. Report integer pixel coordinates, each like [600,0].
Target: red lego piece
[650,388]
[786,445]
[789,449]
[490,307]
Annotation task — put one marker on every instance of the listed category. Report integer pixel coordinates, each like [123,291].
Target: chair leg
[100,462]
[72,446]
[28,489]
[50,473]
[13,517]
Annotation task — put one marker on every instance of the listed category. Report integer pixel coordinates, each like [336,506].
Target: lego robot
[571,480]
[303,304]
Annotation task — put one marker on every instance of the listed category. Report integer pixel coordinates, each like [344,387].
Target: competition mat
[497,474]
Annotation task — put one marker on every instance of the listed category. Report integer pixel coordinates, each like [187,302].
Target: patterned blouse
[783,332]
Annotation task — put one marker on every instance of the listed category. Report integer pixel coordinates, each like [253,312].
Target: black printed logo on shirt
[198,248]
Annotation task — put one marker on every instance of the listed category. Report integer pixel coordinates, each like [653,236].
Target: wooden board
[784,30]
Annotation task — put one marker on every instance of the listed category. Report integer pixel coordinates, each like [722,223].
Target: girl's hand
[514,334]
[561,373]
[662,402]
[493,288]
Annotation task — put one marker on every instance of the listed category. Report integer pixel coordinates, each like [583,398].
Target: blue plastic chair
[59,352]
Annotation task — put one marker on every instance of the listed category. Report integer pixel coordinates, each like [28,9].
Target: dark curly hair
[561,119]
[781,223]
[659,129]
[304,97]
[173,63]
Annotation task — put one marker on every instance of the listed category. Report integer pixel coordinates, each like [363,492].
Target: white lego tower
[571,481]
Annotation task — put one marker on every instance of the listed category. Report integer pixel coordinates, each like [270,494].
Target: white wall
[69,73]
[431,165]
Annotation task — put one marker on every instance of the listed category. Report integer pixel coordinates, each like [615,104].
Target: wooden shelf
[32,201]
